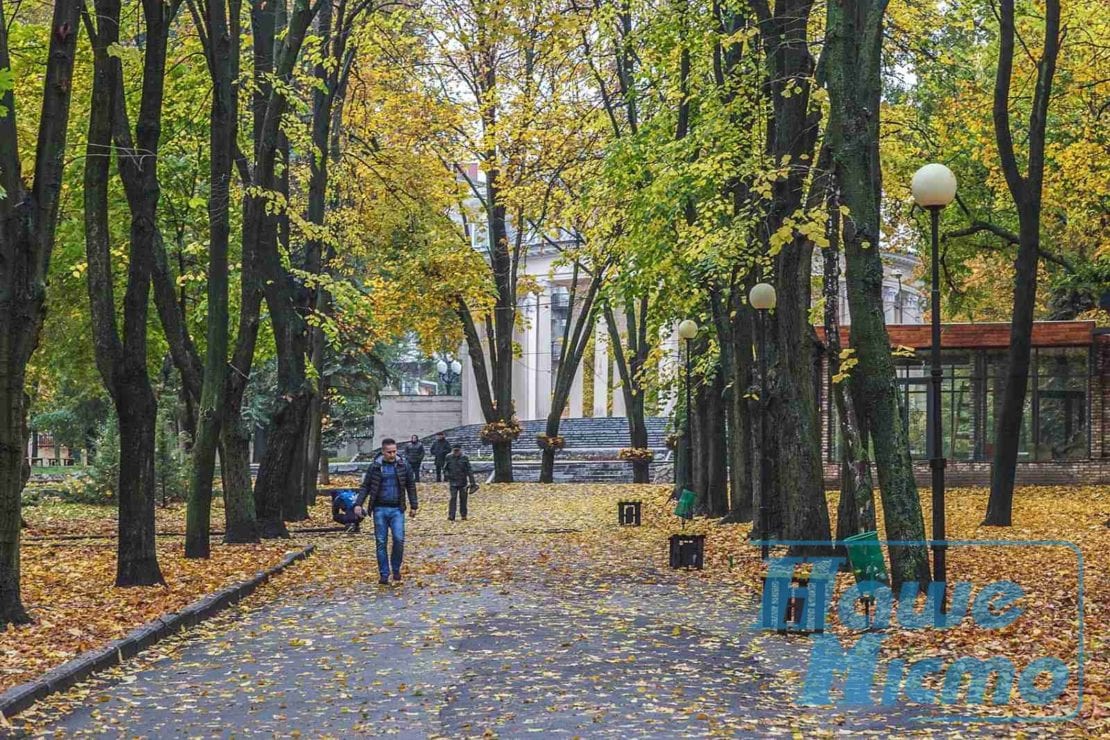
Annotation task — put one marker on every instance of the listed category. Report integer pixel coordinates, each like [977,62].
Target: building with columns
[415,409]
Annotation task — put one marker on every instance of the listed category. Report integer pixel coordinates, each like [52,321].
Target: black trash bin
[688,551]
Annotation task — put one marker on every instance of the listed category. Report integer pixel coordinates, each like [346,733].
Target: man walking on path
[414,455]
[440,449]
[460,476]
[386,485]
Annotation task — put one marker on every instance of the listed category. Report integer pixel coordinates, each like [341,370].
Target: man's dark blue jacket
[372,486]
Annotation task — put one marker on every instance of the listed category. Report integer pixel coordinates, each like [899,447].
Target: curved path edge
[18,698]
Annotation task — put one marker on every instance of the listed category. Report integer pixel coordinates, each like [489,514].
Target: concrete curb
[20,697]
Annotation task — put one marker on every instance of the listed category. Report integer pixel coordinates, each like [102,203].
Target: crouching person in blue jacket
[383,492]
[343,505]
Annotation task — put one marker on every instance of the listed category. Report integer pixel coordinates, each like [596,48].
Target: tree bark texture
[797,485]
[1026,191]
[28,218]
[853,68]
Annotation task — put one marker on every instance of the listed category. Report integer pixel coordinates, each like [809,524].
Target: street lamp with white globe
[934,187]
[688,330]
[449,372]
[763,299]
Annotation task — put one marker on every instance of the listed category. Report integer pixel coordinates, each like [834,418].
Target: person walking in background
[383,492]
[460,475]
[440,449]
[414,454]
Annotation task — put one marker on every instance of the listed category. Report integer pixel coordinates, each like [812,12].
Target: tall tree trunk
[240,518]
[577,335]
[856,510]
[136,557]
[853,69]
[222,54]
[630,359]
[797,485]
[1026,192]
[277,480]
[122,361]
[28,217]
[137,158]
[717,495]
[700,433]
[732,320]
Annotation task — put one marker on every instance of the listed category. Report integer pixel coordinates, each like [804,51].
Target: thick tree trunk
[502,462]
[856,510]
[12,441]
[240,519]
[855,85]
[137,560]
[799,479]
[282,445]
[122,360]
[547,457]
[796,488]
[28,218]
[717,494]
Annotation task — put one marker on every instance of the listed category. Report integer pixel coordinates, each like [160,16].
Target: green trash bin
[866,557]
[685,508]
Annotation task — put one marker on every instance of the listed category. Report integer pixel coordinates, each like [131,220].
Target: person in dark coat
[383,492]
[460,475]
[440,449]
[414,454]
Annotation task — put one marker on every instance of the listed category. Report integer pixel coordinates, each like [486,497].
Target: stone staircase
[590,455]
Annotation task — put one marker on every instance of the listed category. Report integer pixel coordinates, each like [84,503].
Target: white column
[575,399]
[542,359]
[471,404]
[521,379]
[601,369]
[672,368]
[618,392]
[529,395]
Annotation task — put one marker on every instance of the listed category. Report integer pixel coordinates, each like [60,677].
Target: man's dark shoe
[397,578]
[450,518]
[464,518]
[383,581]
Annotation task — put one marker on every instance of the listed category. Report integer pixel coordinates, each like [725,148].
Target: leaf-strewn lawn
[566,537]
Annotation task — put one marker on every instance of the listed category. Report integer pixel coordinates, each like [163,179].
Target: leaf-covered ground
[68,588]
[541,615]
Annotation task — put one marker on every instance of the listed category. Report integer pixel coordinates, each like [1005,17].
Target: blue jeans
[386,519]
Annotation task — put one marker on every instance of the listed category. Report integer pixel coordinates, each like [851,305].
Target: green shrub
[100,486]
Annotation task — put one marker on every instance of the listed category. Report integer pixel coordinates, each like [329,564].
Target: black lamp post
[449,372]
[934,187]
[688,330]
[762,298]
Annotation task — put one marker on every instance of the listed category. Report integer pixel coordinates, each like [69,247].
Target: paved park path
[511,626]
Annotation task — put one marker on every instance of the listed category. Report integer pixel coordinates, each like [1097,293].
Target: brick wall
[1100,399]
